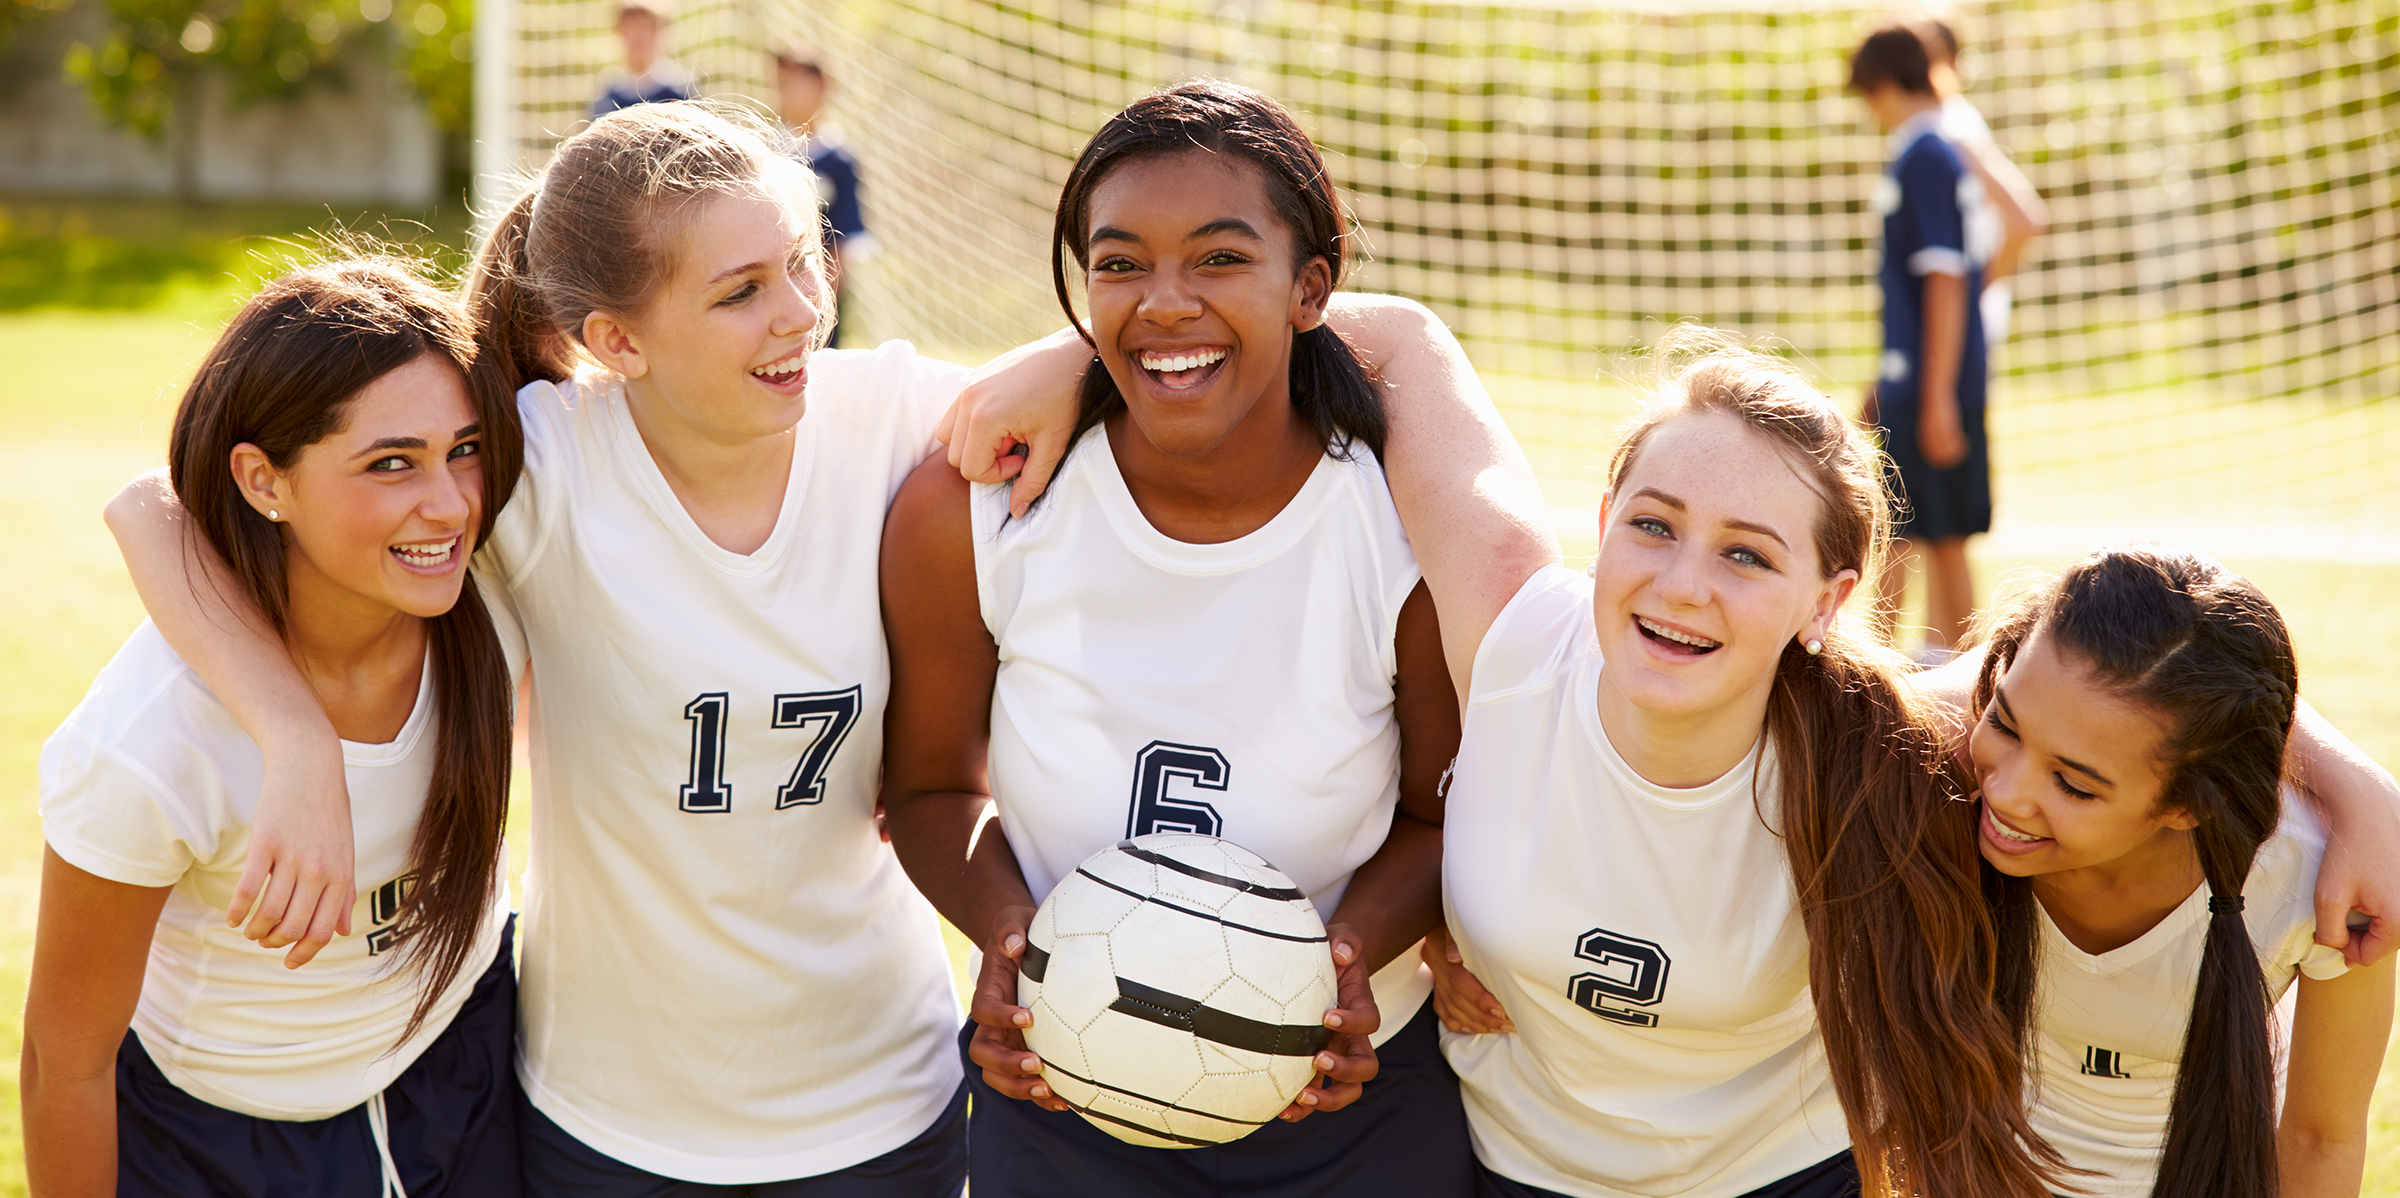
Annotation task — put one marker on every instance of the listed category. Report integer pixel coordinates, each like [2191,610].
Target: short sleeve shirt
[1924,197]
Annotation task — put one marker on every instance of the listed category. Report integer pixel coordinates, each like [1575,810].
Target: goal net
[2207,337]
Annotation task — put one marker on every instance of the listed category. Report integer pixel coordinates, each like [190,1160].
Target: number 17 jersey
[727,978]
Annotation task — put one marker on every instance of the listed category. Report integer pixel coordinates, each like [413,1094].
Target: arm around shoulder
[2361,870]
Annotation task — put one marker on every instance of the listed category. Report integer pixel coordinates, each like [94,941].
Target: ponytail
[518,342]
[2199,646]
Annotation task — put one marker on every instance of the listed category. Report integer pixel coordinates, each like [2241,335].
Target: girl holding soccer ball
[339,449]
[727,979]
[1215,588]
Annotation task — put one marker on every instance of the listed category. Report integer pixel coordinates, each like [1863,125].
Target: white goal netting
[2209,333]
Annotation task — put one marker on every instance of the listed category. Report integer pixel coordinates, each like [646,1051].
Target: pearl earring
[272,514]
[1814,647]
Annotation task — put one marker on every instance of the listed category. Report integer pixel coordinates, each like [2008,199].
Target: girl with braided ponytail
[2131,759]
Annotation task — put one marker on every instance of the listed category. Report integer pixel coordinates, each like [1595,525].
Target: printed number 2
[1154,810]
[829,714]
[1633,972]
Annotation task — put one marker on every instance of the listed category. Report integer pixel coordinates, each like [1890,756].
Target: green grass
[90,404]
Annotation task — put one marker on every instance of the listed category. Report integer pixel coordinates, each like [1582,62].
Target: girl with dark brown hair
[338,451]
[2130,756]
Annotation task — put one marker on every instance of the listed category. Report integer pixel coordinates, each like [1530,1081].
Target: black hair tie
[2220,904]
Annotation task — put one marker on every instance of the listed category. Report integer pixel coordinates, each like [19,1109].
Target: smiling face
[1194,296]
[2070,771]
[381,514]
[721,352]
[1708,569]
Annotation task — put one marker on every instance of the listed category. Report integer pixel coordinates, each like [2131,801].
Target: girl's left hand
[1347,1062]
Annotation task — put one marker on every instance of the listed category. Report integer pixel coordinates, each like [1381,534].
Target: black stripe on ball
[1245,885]
[1210,916]
[1219,1027]
[1035,962]
[1143,1128]
[1047,1066]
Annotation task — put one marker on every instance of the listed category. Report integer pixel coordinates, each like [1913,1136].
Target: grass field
[95,392]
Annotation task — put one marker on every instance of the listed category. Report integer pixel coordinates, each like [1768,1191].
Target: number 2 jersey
[1645,941]
[1241,690]
[726,976]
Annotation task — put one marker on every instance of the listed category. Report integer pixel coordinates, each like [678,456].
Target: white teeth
[2008,833]
[1173,363]
[426,555]
[790,365]
[1682,638]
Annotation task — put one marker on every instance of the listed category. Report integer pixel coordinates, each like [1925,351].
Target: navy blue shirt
[1923,198]
[625,93]
[837,185]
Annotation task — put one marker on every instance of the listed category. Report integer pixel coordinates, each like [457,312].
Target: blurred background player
[1928,400]
[800,90]
[650,76]
[2012,213]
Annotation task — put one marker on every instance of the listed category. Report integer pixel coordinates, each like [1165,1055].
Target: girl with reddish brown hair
[337,450]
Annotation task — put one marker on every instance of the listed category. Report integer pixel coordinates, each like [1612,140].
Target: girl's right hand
[1458,995]
[999,1041]
[298,885]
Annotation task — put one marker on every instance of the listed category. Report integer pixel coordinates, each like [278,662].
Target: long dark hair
[2197,644]
[1330,387]
[281,377]
[1924,1052]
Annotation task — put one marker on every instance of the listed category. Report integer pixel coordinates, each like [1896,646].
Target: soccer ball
[1178,985]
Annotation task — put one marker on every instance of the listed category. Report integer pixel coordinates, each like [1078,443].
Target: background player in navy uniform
[332,445]
[801,87]
[1929,389]
[1217,563]
[651,77]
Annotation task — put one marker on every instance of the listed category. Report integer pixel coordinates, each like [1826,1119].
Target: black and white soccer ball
[1178,985]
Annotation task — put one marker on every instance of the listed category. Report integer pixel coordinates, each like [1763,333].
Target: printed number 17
[828,715]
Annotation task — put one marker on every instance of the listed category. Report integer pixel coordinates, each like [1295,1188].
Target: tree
[147,72]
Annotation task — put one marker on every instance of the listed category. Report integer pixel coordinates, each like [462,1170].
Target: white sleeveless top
[726,976]
[1242,689]
[1645,941]
[150,782]
[2111,1028]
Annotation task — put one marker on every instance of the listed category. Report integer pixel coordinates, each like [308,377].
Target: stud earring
[1814,647]
[272,514]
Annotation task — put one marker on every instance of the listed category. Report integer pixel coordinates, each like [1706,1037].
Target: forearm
[2348,783]
[951,845]
[1395,897]
[204,614]
[2320,1167]
[70,1126]
[1945,340]
[1465,492]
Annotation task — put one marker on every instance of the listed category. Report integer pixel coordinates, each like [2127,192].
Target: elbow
[138,503]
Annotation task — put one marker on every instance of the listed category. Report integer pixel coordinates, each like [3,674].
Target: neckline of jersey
[412,729]
[1279,533]
[635,460]
[2170,928]
[1736,781]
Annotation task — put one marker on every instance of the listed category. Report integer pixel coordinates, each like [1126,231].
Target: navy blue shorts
[1407,1134]
[452,1112]
[1833,1177]
[1930,504]
[934,1165]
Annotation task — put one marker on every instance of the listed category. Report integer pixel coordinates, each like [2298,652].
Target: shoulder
[1535,636]
[146,689]
[876,380]
[1961,121]
[933,511]
[138,766]
[1928,156]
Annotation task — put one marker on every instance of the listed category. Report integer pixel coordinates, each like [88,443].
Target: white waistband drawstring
[380,1125]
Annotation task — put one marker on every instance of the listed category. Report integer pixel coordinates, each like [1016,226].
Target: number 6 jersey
[726,977]
[1643,940]
[1241,690]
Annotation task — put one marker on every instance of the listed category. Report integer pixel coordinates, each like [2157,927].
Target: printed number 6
[1636,974]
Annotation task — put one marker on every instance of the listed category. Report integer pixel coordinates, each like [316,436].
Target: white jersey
[1646,942]
[726,976]
[2112,1024]
[1242,689]
[150,782]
